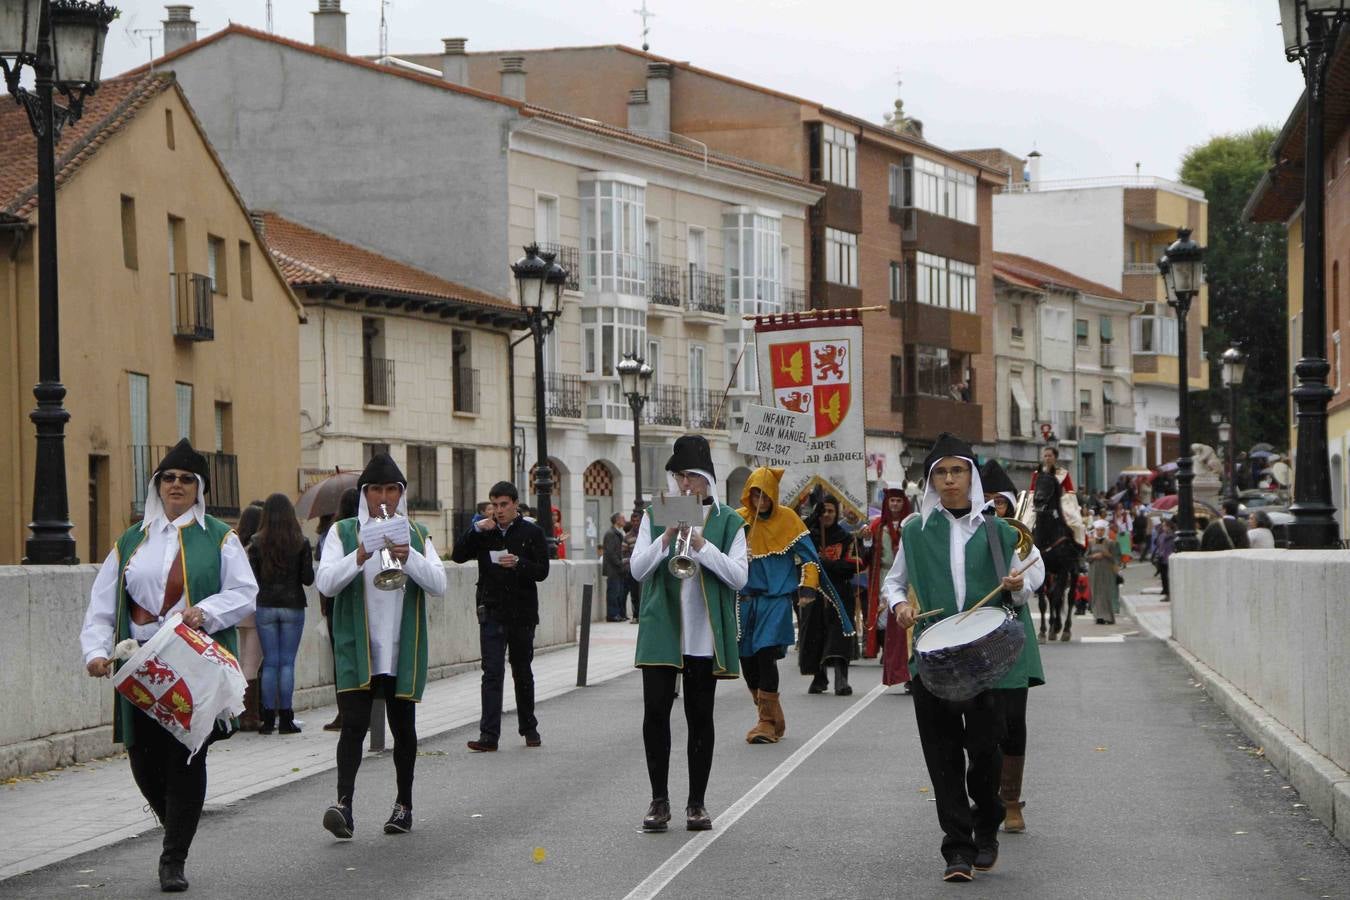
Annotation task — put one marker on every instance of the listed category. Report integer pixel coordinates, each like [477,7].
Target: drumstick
[989,596]
[931,612]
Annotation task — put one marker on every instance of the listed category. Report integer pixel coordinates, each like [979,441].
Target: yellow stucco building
[175,321]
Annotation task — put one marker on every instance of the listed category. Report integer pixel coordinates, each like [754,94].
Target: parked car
[1250,500]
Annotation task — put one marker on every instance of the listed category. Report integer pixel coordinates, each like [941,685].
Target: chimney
[513,77]
[454,64]
[658,100]
[638,111]
[1033,170]
[179,29]
[330,26]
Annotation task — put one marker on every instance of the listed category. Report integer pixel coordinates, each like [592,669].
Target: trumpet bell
[392,578]
[1024,538]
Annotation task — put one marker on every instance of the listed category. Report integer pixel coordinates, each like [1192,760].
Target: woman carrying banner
[783,565]
[177,559]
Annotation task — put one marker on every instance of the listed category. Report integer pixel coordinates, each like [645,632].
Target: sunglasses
[171,478]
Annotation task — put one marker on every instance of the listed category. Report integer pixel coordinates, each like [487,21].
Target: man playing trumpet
[687,626]
[379,636]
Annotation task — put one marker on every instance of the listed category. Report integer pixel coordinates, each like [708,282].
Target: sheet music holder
[669,511]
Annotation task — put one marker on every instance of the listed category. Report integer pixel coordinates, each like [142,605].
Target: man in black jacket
[512,558]
[1226,533]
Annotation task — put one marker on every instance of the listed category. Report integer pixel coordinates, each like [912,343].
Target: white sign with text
[775,436]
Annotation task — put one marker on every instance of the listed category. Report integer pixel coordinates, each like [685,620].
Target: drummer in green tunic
[952,555]
[1027,673]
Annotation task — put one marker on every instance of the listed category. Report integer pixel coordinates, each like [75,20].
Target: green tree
[1245,265]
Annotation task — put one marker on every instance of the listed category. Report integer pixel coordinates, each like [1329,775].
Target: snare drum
[962,655]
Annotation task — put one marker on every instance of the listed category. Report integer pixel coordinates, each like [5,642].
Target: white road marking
[1104,639]
[654,883]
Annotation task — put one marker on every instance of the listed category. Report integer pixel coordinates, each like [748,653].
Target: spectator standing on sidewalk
[1103,558]
[177,559]
[250,648]
[1260,533]
[283,564]
[380,636]
[616,588]
[1226,533]
[632,586]
[1162,553]
[512,557]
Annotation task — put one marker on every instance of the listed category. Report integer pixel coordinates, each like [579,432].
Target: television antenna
[644,13]
[136,35]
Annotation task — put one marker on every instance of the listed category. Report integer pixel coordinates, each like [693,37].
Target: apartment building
[1063,369]
[903,225]
[1279,198]
[175,323]
[669,246]
[1112,231]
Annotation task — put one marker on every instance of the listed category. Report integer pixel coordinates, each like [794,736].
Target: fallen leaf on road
[295,768]
[923,790]
[539,854]
[1099,749]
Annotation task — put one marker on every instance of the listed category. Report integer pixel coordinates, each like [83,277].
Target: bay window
[613,216]
[753,255]
[944,282]
[838,156]
[841,257]
[1154,335]
[607,334]
[935,188]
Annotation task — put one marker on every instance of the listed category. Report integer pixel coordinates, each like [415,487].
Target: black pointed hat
[995,480]
[948,444]
[381,470]
[691,452]
[182,456]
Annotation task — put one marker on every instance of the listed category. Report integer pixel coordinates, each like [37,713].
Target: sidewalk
[99,803]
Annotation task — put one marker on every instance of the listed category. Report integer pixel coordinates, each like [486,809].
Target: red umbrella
[322,498]
[1162,504]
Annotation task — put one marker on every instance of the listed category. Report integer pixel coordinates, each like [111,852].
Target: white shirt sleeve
[647,554]
[732,569]
[335,570]
[426,569]
[896,586]
[100,625]
[238,589]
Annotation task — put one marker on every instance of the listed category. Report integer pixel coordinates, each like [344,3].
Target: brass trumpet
[391,576]
[682,564]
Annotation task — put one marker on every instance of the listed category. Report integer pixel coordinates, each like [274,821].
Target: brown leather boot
[764,731]
[779,723]
[1010,792]
[248,720]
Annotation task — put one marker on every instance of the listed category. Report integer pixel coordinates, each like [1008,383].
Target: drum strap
[996,551]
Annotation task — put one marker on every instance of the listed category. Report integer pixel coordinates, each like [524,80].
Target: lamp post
[1183,271]
[1310,31]
[1234,367]
[62,41]
[635,380]
[539,287]
[1226,457]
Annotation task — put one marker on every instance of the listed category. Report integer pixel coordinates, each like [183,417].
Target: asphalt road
[1137,786]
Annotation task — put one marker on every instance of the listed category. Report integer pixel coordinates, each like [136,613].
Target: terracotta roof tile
[1028,272]
[308,257]
[105,113]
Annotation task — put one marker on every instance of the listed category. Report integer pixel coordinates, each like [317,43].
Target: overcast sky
[1095,85]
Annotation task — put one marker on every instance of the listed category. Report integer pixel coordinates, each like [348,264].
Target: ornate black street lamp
[1183,270]
[539,288]
[635,380]
[1234,368]
[62,41]
[1310,31]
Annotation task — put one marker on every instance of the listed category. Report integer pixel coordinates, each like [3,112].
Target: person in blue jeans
[512,557]
[612,565]
[283,564]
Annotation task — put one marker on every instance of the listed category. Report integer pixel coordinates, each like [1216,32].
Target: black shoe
[269,721]
[288,725]
[338,820]
[533,740]
[958,870]
[171,880]
[482,746]
[841,685]
[986,854]
[658,816]
[335,725]
[819,685]
[400,821]
[696,818]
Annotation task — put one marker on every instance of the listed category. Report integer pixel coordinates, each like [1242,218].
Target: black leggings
[658,696]
[1014,702]
[761,670]
[402,716]
[174,787]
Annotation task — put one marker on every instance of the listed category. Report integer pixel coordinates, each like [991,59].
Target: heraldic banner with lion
[813,364]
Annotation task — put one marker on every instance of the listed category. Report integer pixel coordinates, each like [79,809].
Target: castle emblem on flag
[813,377]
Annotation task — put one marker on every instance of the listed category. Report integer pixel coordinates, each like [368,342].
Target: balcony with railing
[705,410]
[1140,268]
[569,258]
[795,300]
[1114,418]
[193,306]
[664,286]
[1065,425]
[379,381]
[1108,356]
[466,391]
[665,407]
[707,294]
[562,396]
[222,471]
